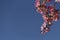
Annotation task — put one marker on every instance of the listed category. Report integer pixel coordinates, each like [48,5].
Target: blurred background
[20,21]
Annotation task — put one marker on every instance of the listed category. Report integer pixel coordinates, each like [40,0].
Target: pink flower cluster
[49,14]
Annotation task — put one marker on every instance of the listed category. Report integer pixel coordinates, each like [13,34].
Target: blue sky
[20,21]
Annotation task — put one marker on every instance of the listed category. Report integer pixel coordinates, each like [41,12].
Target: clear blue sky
[20,21]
